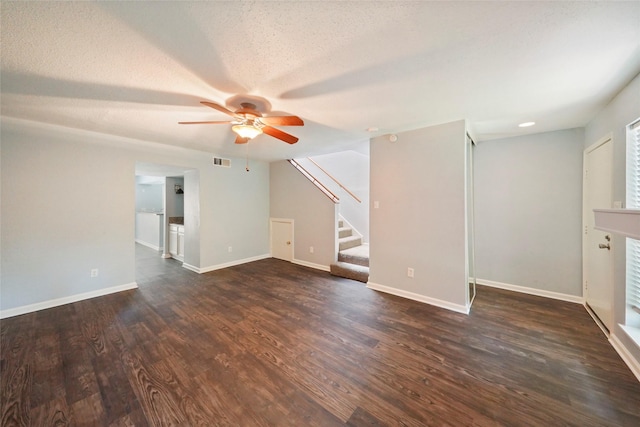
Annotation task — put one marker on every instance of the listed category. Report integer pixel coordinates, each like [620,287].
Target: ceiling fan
[248,123]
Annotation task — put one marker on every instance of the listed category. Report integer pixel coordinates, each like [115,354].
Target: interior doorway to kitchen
[167,218]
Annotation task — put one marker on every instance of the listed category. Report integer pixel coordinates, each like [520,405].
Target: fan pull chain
[247,156]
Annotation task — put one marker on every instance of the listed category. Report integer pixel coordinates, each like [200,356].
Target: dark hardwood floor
[272,343]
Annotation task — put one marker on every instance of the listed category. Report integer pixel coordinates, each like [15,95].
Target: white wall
[419,182]
[150,229]
[68,205]
[173,202]
[192,228]
[149,197]
[613,119]
[528,211]
[237,203]
[293,196]
[67,208]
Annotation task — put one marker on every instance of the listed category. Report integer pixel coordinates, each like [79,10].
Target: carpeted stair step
[353,258]
[349,242]
[350,271]
[344,232]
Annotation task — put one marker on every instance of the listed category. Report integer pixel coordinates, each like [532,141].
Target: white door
[597,256]
[282,239]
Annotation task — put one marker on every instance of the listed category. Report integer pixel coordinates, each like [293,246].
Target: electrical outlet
[94,272]
[230,249]
[409,272]
[310,249]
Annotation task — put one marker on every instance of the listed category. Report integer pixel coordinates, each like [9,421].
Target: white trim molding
[464,309]
[149,245]
[626,355]
[201,270]
[531,291]
[311,265]
[30,308]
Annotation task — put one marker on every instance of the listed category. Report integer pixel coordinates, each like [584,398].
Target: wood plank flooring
[270,343]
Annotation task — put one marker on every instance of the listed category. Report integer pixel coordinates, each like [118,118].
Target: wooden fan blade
[277,133]
[225,122]
[218,107]
[241,140]
[282,121]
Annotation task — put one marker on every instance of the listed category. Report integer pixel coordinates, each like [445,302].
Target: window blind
[633,202]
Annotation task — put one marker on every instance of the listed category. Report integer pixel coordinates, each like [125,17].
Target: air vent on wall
[217,161]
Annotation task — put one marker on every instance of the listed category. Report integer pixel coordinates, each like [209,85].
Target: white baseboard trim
[596,320]
[191,267]
[531,291]
[420,298]
[149,245]
[311,265]
[65,300]
[626,355]
[225,265]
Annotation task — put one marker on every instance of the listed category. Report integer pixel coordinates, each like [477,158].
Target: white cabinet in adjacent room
[176,241]
[181,242]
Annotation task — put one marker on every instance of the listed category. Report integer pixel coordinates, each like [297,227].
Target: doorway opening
[167,199]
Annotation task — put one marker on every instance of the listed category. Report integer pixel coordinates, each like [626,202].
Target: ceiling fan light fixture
[246,131]
[248,123]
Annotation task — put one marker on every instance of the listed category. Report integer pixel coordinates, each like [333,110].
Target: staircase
[353,256]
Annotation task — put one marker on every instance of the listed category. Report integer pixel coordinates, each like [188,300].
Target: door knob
[288,242]
[603,246]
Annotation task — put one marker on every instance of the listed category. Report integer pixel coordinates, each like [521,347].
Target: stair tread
[350,271]
[353,259]
[349,242]
[361,251]
[350,266]
[349,238]
[344,232]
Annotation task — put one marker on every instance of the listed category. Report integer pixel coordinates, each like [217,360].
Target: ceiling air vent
[225,163]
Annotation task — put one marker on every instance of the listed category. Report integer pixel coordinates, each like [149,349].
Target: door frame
[585,224]
[470,221]
[283,220]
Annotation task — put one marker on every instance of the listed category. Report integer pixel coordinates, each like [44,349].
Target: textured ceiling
[135,69]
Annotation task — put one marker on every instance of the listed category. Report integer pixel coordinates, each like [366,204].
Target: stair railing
[335,180]
[315,182]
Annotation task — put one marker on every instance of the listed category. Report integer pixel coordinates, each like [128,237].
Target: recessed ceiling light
[526,124]
[372,129]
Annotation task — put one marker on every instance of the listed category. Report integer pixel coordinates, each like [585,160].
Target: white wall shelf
[621,221]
